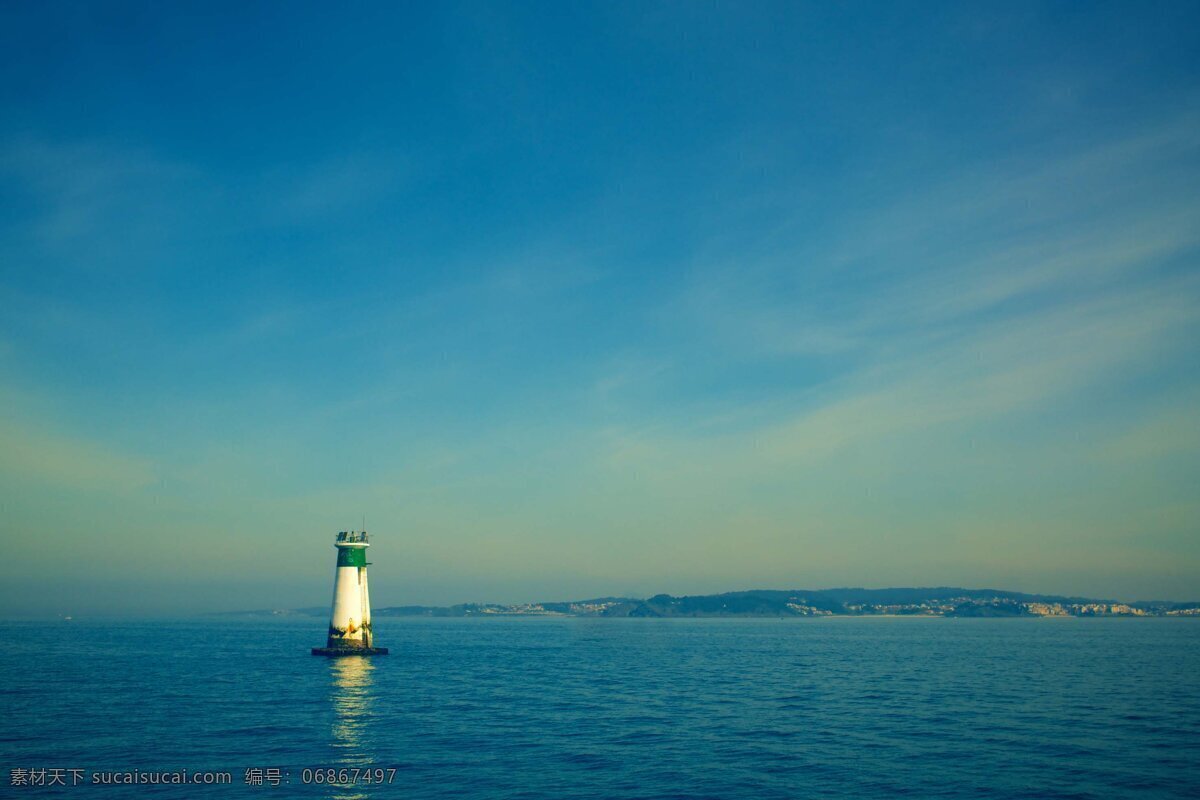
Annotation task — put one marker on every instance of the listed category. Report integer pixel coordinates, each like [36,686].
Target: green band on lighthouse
[352,556]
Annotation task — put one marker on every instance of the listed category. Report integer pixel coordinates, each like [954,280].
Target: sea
[607,709]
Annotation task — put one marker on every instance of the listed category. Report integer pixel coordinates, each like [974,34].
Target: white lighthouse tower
[350,620]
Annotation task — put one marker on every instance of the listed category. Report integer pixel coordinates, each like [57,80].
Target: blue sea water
[615,708]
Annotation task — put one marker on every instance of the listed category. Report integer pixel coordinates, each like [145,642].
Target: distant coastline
[915,602]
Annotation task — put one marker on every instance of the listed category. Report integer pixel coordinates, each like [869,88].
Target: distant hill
[941,601]
[311,611]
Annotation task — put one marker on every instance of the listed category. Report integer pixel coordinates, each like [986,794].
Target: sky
[570,300]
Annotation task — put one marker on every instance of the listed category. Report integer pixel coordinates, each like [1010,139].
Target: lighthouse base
[349,651]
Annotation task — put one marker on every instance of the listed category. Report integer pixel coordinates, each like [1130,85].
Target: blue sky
[584,299]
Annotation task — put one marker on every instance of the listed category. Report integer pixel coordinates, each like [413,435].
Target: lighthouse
[350,619]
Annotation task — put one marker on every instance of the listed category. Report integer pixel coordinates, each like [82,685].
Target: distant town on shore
[930,602]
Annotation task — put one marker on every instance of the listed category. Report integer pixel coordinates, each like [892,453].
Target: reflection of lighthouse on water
[351,696]
[351,690]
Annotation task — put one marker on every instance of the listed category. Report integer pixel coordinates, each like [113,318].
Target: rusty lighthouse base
[349,651]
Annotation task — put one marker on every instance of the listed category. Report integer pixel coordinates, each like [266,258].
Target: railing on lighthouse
[350,630]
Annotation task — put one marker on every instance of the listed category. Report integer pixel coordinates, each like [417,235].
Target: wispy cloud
[350,181]
[33,453]
[93,203]
[966,246]
[948,338]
